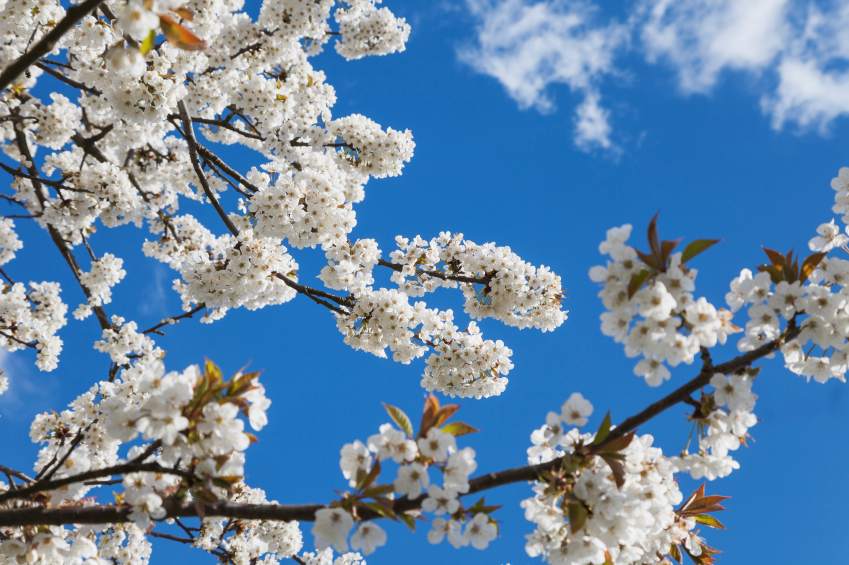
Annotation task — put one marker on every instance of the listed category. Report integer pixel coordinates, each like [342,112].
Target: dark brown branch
[15,473]
[439,274]
[46,473]
[169,321]
[218,162]
[221,124]
[64,250]
[46,44]
[317,296]
[68,80]
[120,469]
[306,512]
[189,136]
[171,537]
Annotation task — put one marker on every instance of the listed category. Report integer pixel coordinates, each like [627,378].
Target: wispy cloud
[26,390]
[529,47]
[156,293]
[795,52]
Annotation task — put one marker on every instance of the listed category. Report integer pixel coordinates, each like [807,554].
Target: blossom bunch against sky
[464,208]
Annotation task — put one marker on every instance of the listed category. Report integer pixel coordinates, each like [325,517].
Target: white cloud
[592,127]
[808,95]
[813,82]
[528,47]
[701,38]
[156,293]
[795,53]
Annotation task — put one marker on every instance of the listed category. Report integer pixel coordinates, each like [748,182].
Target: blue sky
[709,159]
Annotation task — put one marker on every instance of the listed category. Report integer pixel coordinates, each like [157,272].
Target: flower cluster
[150,90]
[105,273]
[433,447]
[650,305]
[462,363]
[9,242]
[606,501]
[160,86]
[247,541]
[496,282]
[31,317]
[724,418]
[369,30]
[190,419]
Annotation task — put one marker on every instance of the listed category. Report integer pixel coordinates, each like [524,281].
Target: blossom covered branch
[143,99]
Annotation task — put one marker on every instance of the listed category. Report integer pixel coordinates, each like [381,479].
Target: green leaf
[399,417]
[379,509]
[637,281]
[578,514]
[603,430]
[459,429]
[481,507]
[147,44]
[696,247]
[212,371]
[378,490]
[709,521]
[408,520]
[364,480]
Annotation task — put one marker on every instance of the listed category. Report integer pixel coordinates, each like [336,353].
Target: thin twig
[189,136]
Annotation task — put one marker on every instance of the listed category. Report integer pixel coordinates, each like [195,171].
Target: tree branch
[46,44]
[189,135]
[306,512]
[67,254]
[439,274]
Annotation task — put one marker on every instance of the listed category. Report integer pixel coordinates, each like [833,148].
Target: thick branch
[306,512]
[123,468]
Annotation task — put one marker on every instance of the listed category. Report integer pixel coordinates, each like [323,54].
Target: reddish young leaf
[666,249]
[444,413]
[654,240]
[774,256]
[180,35]
[431,408]
[185,13]
[809,264]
